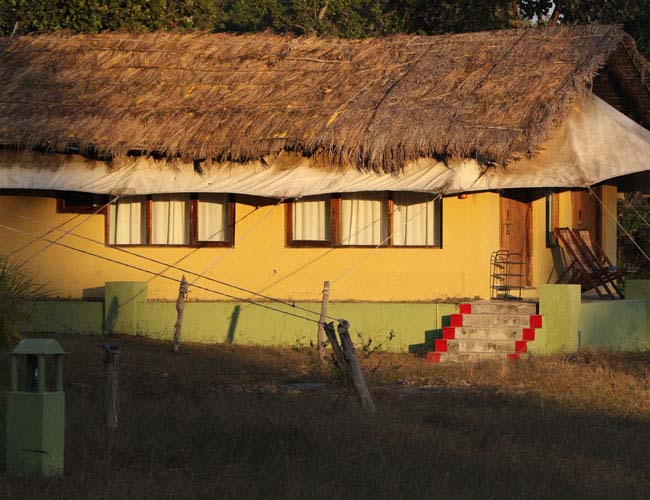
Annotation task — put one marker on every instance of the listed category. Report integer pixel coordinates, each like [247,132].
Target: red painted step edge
[456,320]
[449,332]
[520,346]
[535,320]
[528,334]
[512,357]
[441,345]
[433,357]
[465,308]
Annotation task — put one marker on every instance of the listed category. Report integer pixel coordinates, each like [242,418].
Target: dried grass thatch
[374,103]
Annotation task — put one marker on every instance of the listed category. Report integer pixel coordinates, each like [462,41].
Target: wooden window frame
[335,227]
[194,226]
[62,208]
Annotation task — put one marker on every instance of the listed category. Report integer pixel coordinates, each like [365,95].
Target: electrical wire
[318,257]
[243,237]
[602,204]
[381,243]
[640,215]
[68,231]
[132,266]
[173,265]
[50,231]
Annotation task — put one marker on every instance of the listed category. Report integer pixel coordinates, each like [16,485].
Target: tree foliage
[634,216]
[633,15]
[346,18]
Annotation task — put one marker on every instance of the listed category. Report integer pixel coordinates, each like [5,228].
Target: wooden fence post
[337,352]
[323,316]
[111,371]
[180,309]
[346,359]
[354,367]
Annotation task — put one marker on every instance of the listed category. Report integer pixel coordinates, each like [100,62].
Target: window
[172,220]
[311,220]
[127,221]
[213,218]
[76,202]
[416,220]
[365,219]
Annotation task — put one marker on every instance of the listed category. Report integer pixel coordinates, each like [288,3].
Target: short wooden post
[180,309]
[111,369]
[354,367]
[323,316]
[337,352]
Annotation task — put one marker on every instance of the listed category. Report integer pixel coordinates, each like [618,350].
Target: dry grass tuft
[222,422]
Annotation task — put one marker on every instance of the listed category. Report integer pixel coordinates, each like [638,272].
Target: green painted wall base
[399,327]
[568,323]
[35,433]
[618,325]
[64,316]
[122,300]
[559,306]
[640,290]
[390,326]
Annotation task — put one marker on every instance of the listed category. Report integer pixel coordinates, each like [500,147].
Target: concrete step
[489,345]
[497,320]
[498,307]
[489,333]
[472,357]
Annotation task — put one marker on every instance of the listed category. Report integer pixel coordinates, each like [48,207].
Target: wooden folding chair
[583,268]
[600,254]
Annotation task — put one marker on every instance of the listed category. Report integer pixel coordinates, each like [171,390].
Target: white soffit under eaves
[596,142]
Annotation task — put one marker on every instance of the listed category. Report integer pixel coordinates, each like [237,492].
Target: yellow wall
[260,261]
[608,224]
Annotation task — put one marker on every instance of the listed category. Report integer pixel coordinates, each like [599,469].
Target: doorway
[516,217]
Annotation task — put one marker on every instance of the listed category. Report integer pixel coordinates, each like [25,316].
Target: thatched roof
[374,103]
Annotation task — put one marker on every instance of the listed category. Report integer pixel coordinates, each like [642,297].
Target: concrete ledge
[398,327]
[568,324]
[618,325]
[559,306]
[64,316]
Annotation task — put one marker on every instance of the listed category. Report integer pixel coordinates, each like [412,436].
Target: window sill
[207,244]
[311,244]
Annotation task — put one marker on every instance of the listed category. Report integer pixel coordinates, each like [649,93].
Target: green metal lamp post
[35,416]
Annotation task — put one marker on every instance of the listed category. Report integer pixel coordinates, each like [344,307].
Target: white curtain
[416,219]
[170,219]
[364,219]
[127,221]
[213,217]
[311,219]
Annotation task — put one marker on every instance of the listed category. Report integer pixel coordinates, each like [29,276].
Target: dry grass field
[231,422]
